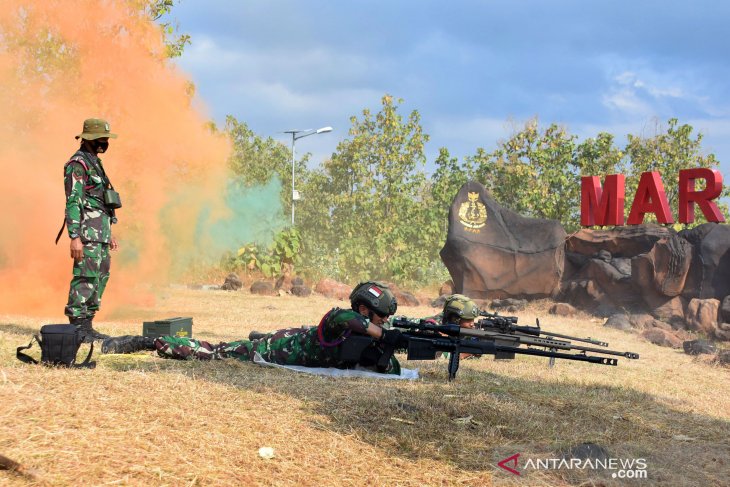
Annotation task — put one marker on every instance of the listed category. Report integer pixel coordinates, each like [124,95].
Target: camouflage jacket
[86,215]
[310,346]
[319,346]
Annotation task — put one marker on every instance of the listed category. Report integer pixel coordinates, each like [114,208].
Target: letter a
[650,198]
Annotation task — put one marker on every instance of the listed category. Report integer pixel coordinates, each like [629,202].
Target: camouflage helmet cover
[376,296]
[461,306]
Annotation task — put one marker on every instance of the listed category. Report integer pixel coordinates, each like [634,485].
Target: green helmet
[376,296]
[461,307]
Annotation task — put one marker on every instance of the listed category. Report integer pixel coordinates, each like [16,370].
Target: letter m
[602,205]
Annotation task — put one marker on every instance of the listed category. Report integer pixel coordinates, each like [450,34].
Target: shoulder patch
[78,172]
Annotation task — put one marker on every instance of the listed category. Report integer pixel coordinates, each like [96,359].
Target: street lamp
[296,135]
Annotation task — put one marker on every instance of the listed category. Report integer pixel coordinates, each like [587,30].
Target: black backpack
[59,346]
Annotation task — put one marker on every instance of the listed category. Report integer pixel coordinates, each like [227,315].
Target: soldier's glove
[394,338]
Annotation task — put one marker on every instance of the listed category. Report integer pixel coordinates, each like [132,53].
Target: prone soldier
[333,343]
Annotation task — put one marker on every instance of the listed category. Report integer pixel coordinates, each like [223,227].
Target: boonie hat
[95,128]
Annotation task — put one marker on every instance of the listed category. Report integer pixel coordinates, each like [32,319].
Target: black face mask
[100,146]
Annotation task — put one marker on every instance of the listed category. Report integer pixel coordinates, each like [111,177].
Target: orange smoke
[62,62]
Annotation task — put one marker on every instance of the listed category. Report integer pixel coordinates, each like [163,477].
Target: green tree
[533,173]
[599,156]
[371,198]
[174,41]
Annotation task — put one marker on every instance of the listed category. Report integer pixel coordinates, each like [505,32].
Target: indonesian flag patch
[375,291]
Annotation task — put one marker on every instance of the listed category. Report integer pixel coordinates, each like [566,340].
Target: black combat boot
[85,326]
[127,344]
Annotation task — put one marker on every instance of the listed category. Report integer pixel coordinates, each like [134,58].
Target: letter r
[688,196]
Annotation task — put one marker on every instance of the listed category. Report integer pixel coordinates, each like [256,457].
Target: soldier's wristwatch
[73,236]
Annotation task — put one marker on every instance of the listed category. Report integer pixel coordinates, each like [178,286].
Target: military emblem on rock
[473,213]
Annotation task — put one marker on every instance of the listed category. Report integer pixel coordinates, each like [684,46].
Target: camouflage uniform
[87,218]
[290,346]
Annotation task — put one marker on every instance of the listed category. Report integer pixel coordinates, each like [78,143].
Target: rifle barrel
[541,342]
[576,339]
[534,331]
[551,343]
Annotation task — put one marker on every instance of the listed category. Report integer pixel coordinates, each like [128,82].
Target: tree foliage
[533,172]
[285,250]
[175,42]
[536,172]
[372,212]
[368,212]
[668,153]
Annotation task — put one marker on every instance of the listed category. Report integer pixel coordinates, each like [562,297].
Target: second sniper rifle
[508,324]
[424,339]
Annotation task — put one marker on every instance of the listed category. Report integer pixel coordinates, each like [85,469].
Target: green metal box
[177,327]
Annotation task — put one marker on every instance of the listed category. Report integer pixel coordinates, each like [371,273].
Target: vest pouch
[358,350]
[112,199]
[59,346]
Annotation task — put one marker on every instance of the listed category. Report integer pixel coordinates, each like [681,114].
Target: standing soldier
[90,204]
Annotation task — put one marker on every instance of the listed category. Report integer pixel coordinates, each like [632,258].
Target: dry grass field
[143,420]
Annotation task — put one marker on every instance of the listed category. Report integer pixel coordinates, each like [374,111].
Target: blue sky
[475,70]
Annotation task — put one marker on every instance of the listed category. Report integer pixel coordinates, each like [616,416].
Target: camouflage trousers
[291,346]
[90,275]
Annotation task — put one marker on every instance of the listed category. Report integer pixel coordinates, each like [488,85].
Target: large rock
[620,241]
[619,321]
[671,310]
[511,305]
[723,357]
[663,270]
[446,288]
[232,282]
[333,289]
[562,309]
[642,321]
[584,294]
[635,269]
[725,309]
[702,315]
[492,252]
[697,347]
[709,275]
[301,290]
[722,331]
[404,298]
[264,288]
[662,338]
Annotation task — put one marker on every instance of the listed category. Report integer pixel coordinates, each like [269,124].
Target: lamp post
[296,135]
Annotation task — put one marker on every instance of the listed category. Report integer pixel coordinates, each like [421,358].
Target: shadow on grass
[19,329]
[483,417]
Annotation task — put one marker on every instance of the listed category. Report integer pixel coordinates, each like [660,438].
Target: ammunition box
[177,327]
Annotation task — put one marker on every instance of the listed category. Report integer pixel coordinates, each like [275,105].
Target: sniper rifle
[508,324]
[423,340]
